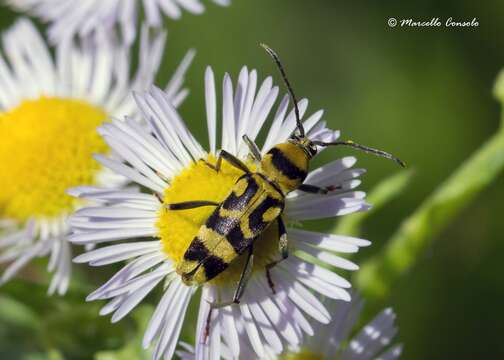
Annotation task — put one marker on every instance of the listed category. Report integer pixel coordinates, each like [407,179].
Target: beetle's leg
[242,284]
[254,150]
[240,289]
[159,197]
[190,204]
[312,189]
[231,159]
[284,251]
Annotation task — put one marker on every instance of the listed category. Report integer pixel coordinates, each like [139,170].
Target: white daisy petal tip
[345,296]
[104,311]
[352,184]
[209,72]
[74,239]
[222,2]
[352,267]
[365,207]
[349,161]
[390,312]
[191,53]
[81,259]
[359,195]
[364,243]
[396,351]
[93,296]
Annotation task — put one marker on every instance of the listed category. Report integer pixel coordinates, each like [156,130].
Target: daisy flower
[50,109]
[76,17]
[333,340]
[166,161]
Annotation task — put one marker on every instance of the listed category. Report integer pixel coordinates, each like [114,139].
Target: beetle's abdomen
[251,206]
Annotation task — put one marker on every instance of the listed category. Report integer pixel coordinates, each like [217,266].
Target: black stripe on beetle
[220,224]
[234,202]
[214,265]
[237,240]
[256,222]
[197,251]
[285,166]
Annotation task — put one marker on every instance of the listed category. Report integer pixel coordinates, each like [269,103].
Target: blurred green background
[422,93]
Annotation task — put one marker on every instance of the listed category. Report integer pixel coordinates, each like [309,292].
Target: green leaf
[381,195]
[434,214]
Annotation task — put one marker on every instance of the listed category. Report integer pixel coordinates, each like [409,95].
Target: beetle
[255,202]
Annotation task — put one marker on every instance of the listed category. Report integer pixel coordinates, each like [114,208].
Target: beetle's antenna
[366,149]
[289,87]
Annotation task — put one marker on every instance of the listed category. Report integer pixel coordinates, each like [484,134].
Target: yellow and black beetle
[255,202]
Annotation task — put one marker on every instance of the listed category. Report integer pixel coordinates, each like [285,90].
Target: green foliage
[133,348]
[33,325]
[418,231]
[50,355]
[382,194]
[15,313]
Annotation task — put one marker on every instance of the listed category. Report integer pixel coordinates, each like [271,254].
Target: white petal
[267,329]
[137,282]
[312,270]
[328,258]
[160,313]
[111,235]
[305,300]
[211,108]
[228,116]
[279,316]
[129,172]
[134,299]
[337,243]
[171,331]
[128,272]
[274,130]
[392,354]
[115,212]
[229,333]
[121,252]
[250,327]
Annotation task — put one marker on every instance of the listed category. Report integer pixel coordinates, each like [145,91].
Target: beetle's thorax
[286,165]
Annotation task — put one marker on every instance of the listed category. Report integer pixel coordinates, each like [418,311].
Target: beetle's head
[304,143]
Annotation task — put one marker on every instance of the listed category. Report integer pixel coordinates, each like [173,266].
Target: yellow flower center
[45,148]
[303,355]
[177,228]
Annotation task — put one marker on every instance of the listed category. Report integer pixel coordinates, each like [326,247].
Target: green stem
[378,274]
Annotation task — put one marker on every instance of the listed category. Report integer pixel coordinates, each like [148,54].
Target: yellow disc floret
[46,147]
[177,228]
